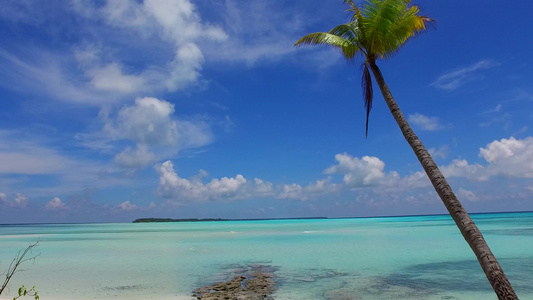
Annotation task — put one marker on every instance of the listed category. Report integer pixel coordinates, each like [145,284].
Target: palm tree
[377,30]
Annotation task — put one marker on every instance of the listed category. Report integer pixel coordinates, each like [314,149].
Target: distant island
[162,220]
[167,220]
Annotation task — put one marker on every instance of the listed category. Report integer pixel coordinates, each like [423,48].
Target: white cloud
[467,195]
[424,122]
[127,206]
[227,187]
[416,180]
[151,125]
[40,72]
[441,152]
[366,177]
[461,76]
[130,48]
[181,22]
[18,201]
[257,31]
[193,133]
[111,78]
[180,190]
[506,148]
[263,188]
[461,168]
[185,68]
[176,22]
[122,47]
[291,191]
[148,121]
[124,13]
[311,191]
[359,172]
[172,186]
[55,204]
[510,157]
[137,158]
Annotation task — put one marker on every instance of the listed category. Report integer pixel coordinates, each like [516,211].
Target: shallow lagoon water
[419,257]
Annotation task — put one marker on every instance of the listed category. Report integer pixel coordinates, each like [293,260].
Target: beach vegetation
[22,256]
[376,31]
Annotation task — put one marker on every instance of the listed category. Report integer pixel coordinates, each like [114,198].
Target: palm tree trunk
[470,231]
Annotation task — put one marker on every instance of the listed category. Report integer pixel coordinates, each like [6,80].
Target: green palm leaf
[348,48]
[377,30]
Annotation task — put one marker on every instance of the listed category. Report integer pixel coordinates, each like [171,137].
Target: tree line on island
[166,220]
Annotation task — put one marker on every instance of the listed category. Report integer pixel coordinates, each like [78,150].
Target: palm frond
[350,31]
[389,24]
[347,47]
[352,8]
[368,92]
[347,31]
[378,29]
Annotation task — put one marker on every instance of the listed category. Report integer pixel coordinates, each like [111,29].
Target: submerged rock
[256,283]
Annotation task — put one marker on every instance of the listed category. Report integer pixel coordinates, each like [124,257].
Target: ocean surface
[418,257]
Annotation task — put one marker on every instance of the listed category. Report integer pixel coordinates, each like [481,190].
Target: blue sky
[110,111]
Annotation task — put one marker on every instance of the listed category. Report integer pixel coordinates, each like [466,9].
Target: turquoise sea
[416,257]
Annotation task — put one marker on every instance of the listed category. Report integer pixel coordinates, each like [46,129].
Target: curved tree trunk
[470,231]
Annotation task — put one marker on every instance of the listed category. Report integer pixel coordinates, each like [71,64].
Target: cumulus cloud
[365,175]
[18,201]
[291,191]
[441,152]
[461,76]
[263,188]
[172,186]
[130,158]
[461,168]
[507,158]
[424,122]
[126,206]
[175,22]
[467,195]
[313,190]
[510,158]
[360,172]
[55,204]
[150,123]
[181,190]
[506,148]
